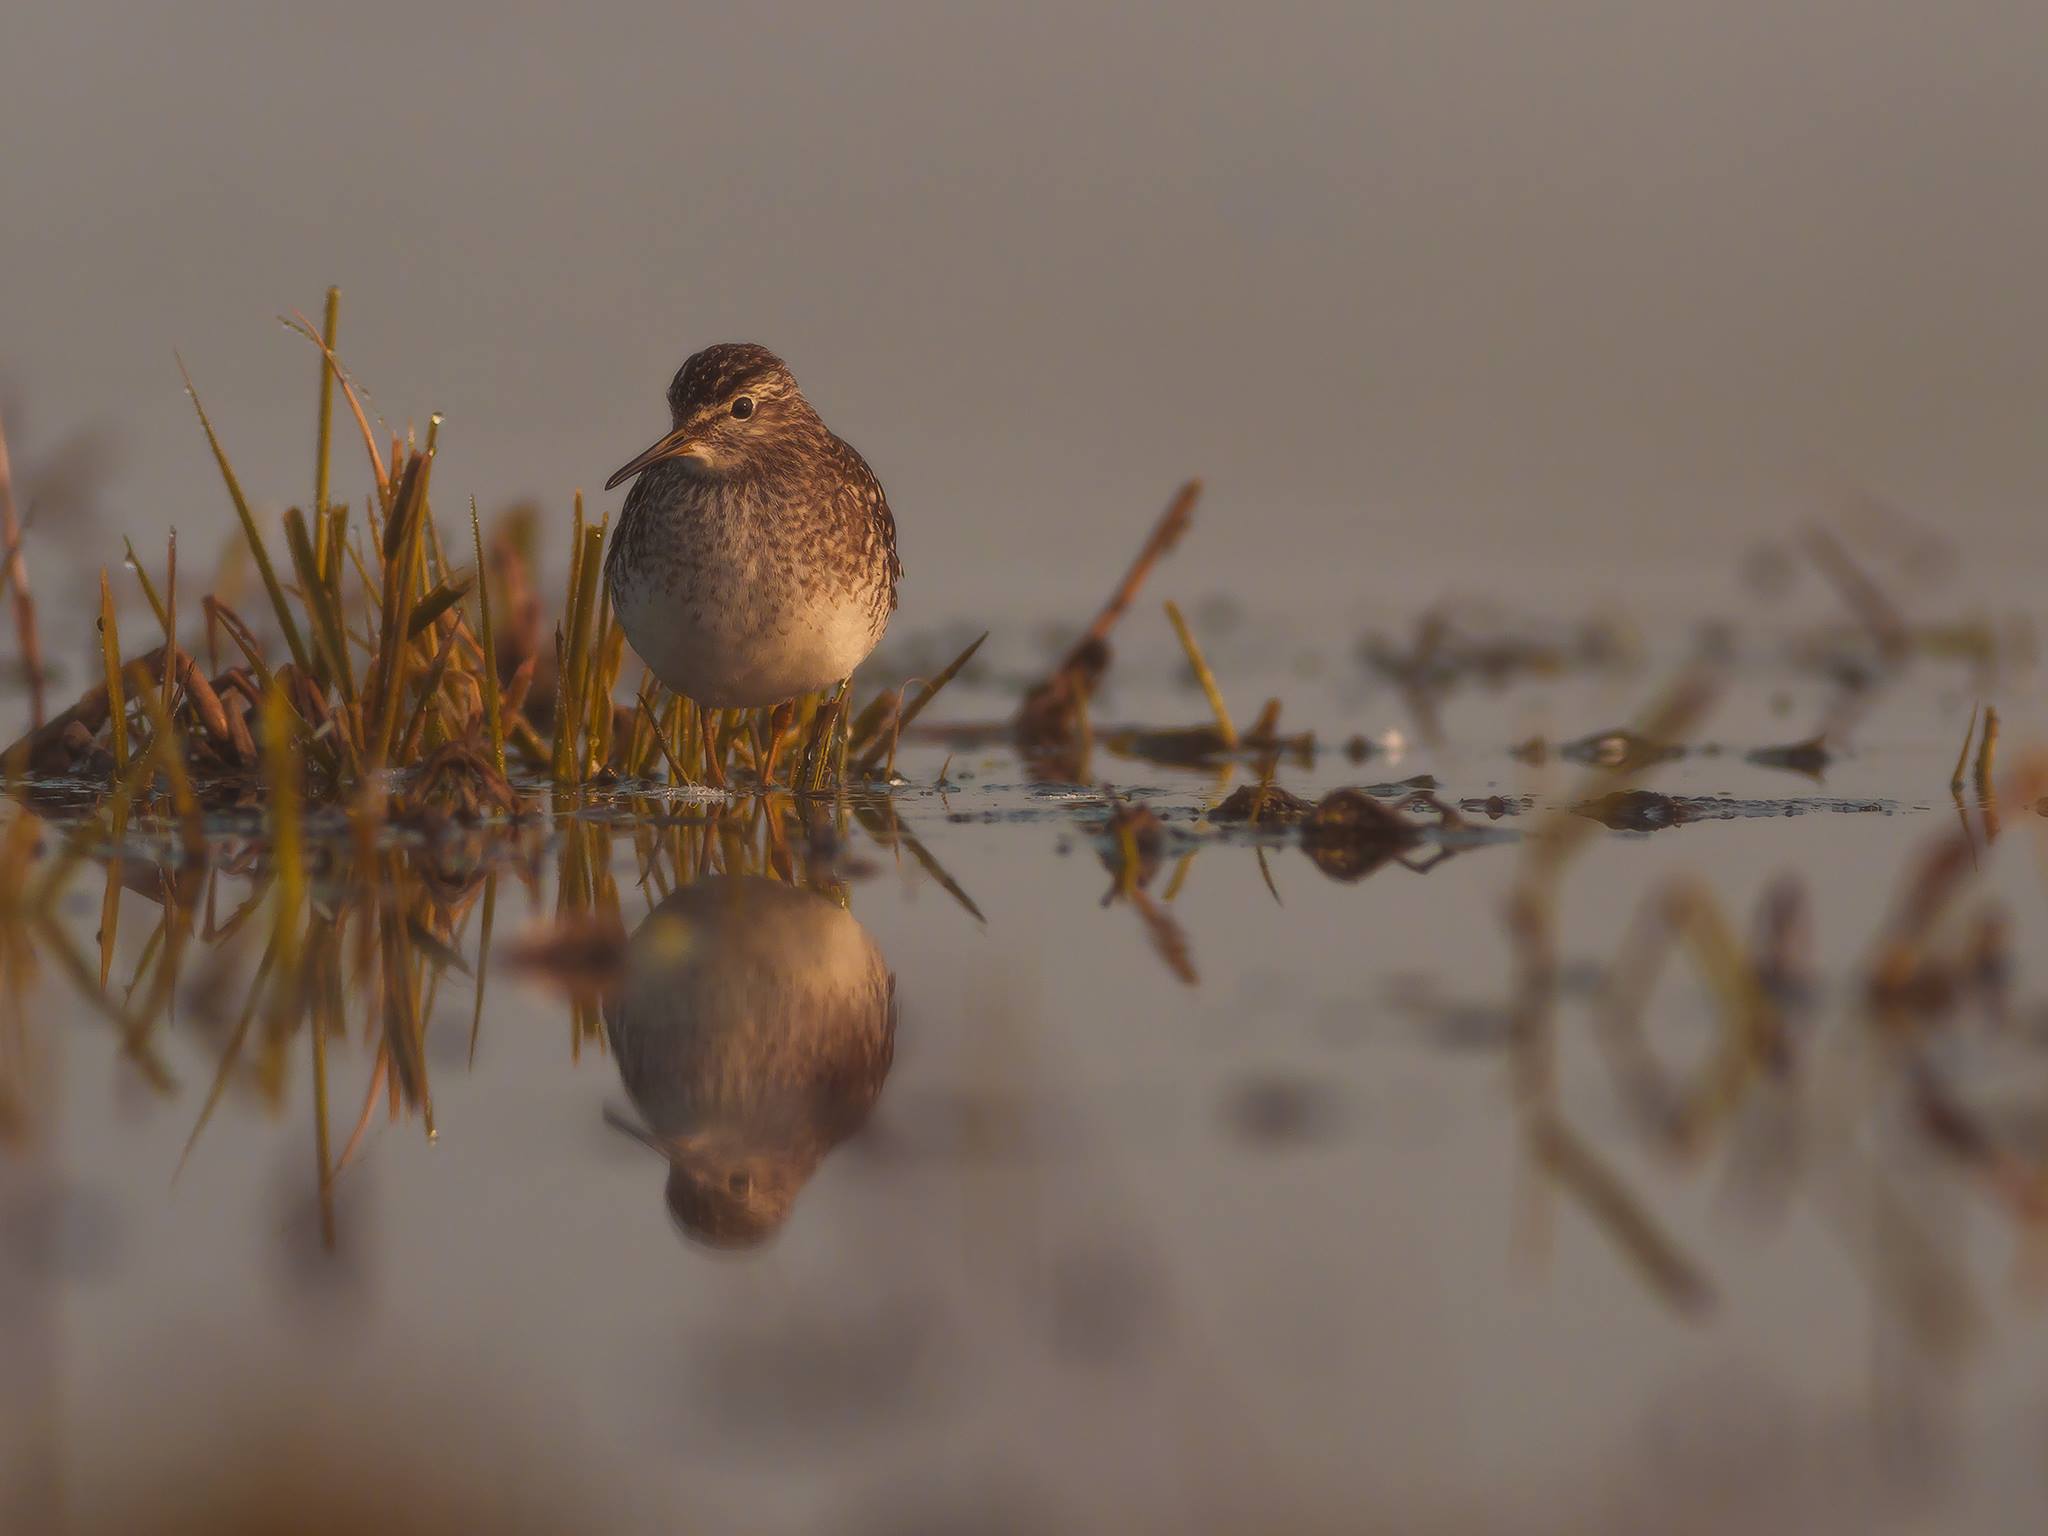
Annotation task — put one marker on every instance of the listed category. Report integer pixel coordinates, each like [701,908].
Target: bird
[753,1025]
[755,558]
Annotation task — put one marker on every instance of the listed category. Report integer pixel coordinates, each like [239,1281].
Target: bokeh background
[1576,305]
[1549,292]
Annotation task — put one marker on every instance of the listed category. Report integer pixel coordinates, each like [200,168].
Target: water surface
[1214,1199]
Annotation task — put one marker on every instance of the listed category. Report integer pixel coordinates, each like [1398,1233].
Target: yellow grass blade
[263,566]
[323,443]
[1203,676]
[493,707]
[110,656]
[925,695]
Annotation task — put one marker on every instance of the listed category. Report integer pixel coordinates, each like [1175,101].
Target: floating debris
[1494,807]
[1621,750]
[1052,722]
[1647,810]
[1204,746]
[1810,757]
[1352,833]
[1266,804]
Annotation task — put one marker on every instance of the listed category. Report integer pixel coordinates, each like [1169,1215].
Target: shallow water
[1222,1204]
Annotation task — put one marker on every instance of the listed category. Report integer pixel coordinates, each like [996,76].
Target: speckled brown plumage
[755,558]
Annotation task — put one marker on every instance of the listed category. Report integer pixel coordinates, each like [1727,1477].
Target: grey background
[1429,292]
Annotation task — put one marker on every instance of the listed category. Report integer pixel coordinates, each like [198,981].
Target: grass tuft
[412,690]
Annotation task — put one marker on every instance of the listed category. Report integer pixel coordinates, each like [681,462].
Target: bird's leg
[816,759]
[842,734]
[775,851]
[714,747]
[778,728]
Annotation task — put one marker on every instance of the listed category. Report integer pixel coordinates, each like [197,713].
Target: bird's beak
[674,446]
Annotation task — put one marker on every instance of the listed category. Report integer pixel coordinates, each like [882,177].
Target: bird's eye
[743,407]
[737,1183]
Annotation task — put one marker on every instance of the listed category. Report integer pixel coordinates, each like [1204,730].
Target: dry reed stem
[250,532]
[925,695]
[483,963]
[25,629]
[1751,1026]
[570,703]
[1864,597]
[1051,712]
[322,1156]
[324,437]
[149,592]
[1619,1214]
[378,472]
[90,712]
[1166,533]
[401,546]
[323,604]
[1203,675]
[1987,752]
[170,758]
[1955,779]
[493,704]
[170,618]
[110,659]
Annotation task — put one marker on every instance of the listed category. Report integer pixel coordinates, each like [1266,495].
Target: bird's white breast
[726,612]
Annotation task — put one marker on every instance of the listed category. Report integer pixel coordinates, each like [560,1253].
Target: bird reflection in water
[753,1028]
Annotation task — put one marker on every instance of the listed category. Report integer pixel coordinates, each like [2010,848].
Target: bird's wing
[869,507]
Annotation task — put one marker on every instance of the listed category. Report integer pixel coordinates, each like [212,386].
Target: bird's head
[730,407]
[726,1188]
[730,1198]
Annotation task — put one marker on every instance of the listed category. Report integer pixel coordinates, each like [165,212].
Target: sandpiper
[753,1027]
[755,557]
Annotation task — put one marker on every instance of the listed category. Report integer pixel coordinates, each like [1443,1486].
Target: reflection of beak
[674,446]
[619,1122]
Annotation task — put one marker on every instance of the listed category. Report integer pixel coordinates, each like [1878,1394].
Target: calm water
[1082,1245]
[1249,1198]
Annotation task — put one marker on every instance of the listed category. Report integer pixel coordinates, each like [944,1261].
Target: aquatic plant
[388,664]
